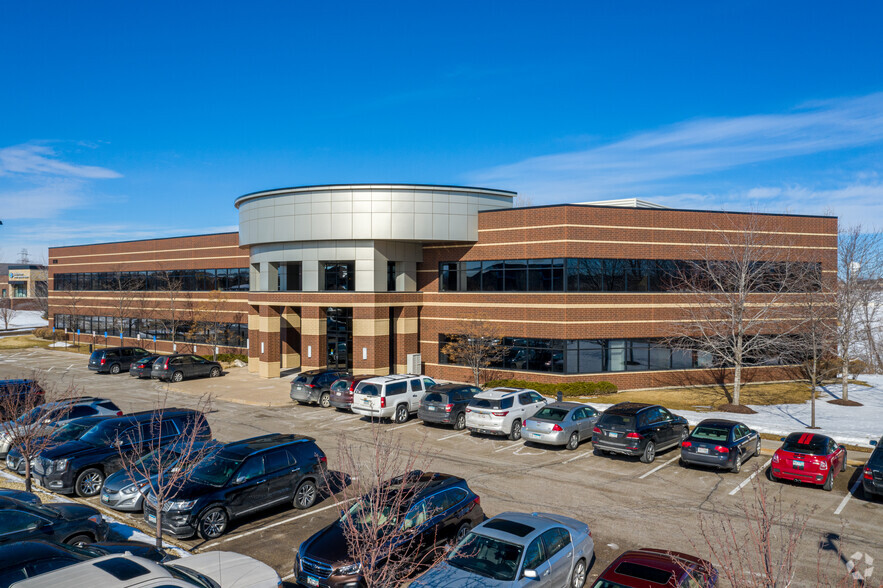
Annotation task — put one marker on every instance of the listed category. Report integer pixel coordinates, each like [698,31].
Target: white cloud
[39,159]
[44,198]
[639,164]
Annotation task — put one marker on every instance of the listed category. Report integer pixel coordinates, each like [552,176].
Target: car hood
[451,577]
[232,570]
[71,511]
[72,449]
[119,480]
[191,490]
[328,545]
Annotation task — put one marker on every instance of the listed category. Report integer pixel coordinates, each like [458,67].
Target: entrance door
[339,333]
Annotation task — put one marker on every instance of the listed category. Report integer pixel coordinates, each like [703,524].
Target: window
[14,521]
[416,516]
[339,275]
[555,539]
[447,277]
[534,555]
[276,460]
[169,428]
[525,399]
[391,276]
[396,388]
[428,383]
[252,468]
[290,277]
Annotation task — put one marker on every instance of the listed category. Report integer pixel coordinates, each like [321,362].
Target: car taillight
[823,465]
[449,407]
[477,500]
[721,449]
[102,361]
[596,430]
[776,457]
[311,385]
[165,364]
[686,444]
[501,413]
[323,459]
[869,475]
[633,436]
[382,402]
[468,409]
[557,427]
[119,413]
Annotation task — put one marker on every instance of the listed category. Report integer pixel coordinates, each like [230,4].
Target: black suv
[114,360]
[446,404]
[314,386]
[872,475]
[243,477]
[70,431]
[637,429]
[62,522]
[81,466]
[434,509]
[175,368]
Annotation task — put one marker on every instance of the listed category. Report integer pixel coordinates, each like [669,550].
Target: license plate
[104,498]
[535,435]
[366,401]
[797,464]
[151,518]
[430,408]
[311,581]
[701,450]
[612,434]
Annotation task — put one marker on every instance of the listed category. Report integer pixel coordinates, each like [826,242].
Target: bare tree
[176,315]
[209,319]
[71,303]
[124,291]
[378,482]
[736,296]
[859,265]
[159,468]
[477,344]
[7,312]
[28,407]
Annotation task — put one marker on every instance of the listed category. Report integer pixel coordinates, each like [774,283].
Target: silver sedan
[561,423]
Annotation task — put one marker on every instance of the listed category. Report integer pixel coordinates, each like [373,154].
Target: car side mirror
[239,480]
[873,443]
[781,438]
[532,574]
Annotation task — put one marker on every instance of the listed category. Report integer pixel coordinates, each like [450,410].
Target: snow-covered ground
[26,319]
[855,425]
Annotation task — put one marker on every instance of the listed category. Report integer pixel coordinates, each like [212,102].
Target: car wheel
[770,475]
[460,423]
[829,482]
[212,523]
[462,532]
[401,414]
[573,442]
[843,465]
[79,540]
[115,369]
[737,463]
[89,482]
[649,452]
[177,376]
[683,463]
[325,400]
[515,433]
[578,577]
[216,371]
[306,495]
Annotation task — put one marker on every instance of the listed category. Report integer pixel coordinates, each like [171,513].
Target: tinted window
[14,520]
[617,420]
[436,397]
[428,383]
[252,468]
[806,443]
[534,555]
[80,411]
[711,433]
[415,386]
[168,428]
[340,385]
[536,397]
[556,539]
[453,497]
[552,414]
[276,460]
[525,398]
[396,388]
[643,572]
[495,404]
[368,389]
[486,556]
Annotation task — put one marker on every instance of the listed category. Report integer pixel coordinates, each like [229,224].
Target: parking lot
[627,504]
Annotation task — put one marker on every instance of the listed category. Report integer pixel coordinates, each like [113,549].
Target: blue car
[720,443]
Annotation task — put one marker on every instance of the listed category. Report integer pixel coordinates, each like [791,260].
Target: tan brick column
[269,364]
[312,338]
[254,333]
[291,348]
[371,340]
[406,336]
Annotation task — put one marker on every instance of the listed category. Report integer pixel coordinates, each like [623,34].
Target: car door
[537,402]
[417,530]
[18,525]
[126,357]
[741,439]
[415,394]
[535,559]
[559,551]
[282,474]
[665,425]
[585,418]
[839,455]
[248,487]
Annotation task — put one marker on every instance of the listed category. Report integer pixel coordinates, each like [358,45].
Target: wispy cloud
[639,164]
[40,159]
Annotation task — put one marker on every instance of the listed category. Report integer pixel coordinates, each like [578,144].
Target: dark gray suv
[314,386]
[114,360]
[175,368]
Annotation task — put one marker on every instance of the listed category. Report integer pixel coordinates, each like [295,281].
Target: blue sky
[133,119]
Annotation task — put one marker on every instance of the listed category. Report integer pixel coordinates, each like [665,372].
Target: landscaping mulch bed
[736,408]
[841,402]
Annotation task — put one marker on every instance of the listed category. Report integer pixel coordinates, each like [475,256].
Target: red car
[810,458]
[654,568]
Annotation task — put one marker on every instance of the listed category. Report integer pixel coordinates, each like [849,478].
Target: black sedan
[721,444]
[142,367]
[61,522]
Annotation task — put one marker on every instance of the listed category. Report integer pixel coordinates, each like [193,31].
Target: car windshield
[367,514]
[486,557]
[71,431]
[164,457]
[45,411]
[607,584]
[367,389]
[492,403]
[101,434]
[552,414]
[617,420]
[813,446]
[216,470]
[300,380]
[708,433]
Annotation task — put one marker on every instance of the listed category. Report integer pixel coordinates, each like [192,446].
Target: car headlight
[131,489]
[96,518]
[348,570]
[60,465]
[178,505]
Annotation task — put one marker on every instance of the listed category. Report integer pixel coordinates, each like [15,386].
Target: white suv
[390,397]
[502,411]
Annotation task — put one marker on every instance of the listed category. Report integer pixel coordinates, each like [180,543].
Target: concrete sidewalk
[237,385]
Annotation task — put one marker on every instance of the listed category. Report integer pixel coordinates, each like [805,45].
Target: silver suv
[390,397]
[502,411]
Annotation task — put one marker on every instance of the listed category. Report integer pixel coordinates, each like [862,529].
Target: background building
[22,280]
[366,277]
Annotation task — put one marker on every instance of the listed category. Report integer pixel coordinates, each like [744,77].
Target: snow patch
[26,319]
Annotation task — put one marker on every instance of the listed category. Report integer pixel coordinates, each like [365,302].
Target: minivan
[114,360]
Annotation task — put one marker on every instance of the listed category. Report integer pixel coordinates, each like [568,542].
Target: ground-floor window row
[221,334]
[590,356]
[599,275]
[199,280]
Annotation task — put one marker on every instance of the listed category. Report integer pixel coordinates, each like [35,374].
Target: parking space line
[276,524]
[751,477]
[454,435]
[576,457]
[848,496]
[657,468]
[510,446]
[403,426]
